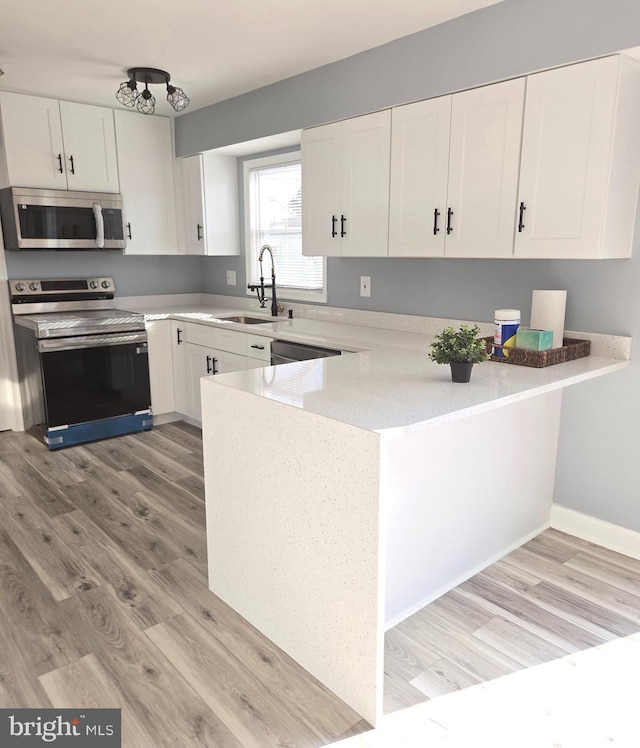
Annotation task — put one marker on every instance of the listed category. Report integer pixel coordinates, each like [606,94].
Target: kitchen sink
[242,319]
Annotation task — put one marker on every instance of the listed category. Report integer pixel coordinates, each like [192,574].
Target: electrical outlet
[365,285]
[231,277]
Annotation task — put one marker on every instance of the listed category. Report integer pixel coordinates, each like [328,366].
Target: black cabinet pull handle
[522,209]
[129,231]
[199,231]
[73,168]
[213,365]
[259,347]
[209,360]
[449,214]
[343,220]
[178,333]
[60,169]
[334,233]
[436,215]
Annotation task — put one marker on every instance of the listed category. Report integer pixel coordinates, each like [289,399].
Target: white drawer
[214,337]
[258,347]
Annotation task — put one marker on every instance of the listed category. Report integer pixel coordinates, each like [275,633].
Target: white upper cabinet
[58,145]
[345,187]
[193,204]
[580,161]
[454,173]
[486,128]
[321,172]
[33,147]
[419,177]
[145,163]
[90,147]
[210,215]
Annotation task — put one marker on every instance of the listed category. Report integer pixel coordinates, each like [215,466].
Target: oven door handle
[94,341]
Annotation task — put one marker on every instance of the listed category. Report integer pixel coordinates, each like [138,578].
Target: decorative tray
[572,348]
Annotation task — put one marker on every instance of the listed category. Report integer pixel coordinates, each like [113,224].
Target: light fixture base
[148,75]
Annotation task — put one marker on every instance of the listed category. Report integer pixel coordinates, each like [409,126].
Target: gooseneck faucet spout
[274,300]
[260,289]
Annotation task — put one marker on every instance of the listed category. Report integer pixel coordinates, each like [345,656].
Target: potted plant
[461,349]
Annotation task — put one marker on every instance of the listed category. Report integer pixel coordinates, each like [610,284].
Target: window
[273,216]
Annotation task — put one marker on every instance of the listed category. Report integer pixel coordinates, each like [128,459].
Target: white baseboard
[166,418]
[606,534]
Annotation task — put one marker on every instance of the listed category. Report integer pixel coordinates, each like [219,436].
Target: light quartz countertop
[387,385]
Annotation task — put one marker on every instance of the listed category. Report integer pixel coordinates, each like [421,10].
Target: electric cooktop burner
[55,308]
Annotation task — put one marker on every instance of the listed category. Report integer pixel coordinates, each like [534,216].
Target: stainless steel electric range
[83,364]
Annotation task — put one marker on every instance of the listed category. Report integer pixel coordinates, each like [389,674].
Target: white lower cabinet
[161,376]
[179,358]
[199,350]
[201,361]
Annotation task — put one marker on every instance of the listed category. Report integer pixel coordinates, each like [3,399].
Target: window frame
[299,294]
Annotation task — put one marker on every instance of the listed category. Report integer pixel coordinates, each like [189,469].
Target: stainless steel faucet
[275,307]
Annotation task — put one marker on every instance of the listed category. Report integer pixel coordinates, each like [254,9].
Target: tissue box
[534,340]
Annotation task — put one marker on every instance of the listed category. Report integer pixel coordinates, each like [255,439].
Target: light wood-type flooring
[104,603]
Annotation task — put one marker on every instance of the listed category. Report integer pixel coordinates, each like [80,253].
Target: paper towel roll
[547,313]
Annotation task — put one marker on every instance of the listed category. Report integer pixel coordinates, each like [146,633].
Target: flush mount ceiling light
[145,102]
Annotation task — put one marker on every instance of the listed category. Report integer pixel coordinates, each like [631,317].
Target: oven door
[94,377]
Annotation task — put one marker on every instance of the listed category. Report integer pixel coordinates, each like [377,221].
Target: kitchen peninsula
[343,494]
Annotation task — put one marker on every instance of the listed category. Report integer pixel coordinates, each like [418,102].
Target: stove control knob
[20,287]
[105,284]
[93,284]
[33,286]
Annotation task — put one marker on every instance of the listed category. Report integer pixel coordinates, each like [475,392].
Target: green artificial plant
[461,345]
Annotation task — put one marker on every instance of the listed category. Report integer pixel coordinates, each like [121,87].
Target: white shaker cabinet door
[179,359]
[580,161]
[193,197]
[161,377]
[364,216]
[486,131]
[419,176]
[220,179]
[90,147]
[202,361]
[145,163]
[321,182]
[198,363]
[33,145]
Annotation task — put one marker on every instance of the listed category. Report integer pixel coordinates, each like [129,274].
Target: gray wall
[596,472]
[469,289]
[505,40]
[133,276]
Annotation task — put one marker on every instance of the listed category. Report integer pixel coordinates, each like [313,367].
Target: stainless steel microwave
[60,219]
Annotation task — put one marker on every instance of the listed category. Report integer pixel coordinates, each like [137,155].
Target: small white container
[507,322]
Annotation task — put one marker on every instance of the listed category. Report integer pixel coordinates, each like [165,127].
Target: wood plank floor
[103,602]
[554,596]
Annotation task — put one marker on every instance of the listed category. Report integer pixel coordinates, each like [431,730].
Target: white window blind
[275,218]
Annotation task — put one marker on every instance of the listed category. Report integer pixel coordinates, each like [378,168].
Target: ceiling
[79,50]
